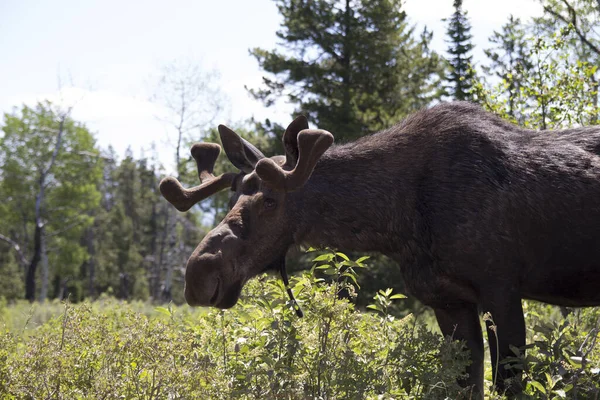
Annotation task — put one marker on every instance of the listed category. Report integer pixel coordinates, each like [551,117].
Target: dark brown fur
[477,212]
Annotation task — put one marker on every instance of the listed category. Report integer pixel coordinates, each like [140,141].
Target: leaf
[360,260]
[163,310]
[352,277]
[398,296]
[323,257]
[343,256]
[538,386]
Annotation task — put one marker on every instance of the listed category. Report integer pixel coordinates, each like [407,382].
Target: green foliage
[49,182]
[562,360]
[258,349]
[355,67]
[11,284]
[461,75]
[557,91]
[509,60]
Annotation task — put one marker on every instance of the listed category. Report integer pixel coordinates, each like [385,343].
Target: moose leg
[462,323]
[506,328]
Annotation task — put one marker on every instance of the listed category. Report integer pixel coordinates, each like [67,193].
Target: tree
[510,59]
[353,66]
[461,75]
[583,18]
[191,100]
[555,93]
[50,170]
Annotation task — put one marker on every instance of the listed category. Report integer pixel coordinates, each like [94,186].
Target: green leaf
[163,310]
[323,257]
[398,296]
[538,386]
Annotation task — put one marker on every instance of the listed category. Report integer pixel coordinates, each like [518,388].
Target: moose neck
[347,204]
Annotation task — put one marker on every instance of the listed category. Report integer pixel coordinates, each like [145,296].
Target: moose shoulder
[477,212]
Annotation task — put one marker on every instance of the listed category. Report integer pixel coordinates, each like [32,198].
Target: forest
[92,258]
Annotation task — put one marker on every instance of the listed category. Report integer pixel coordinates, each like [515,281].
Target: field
[260,349]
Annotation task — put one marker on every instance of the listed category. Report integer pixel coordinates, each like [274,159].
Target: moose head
[256,233]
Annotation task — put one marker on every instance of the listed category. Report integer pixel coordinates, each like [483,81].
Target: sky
[106,55]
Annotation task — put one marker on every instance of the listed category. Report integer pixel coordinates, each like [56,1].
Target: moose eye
[269,204]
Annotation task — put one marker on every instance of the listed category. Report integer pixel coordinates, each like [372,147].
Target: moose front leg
[462,323]
[505,329]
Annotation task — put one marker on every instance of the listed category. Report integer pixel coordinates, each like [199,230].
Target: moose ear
[290,140]
[240,152]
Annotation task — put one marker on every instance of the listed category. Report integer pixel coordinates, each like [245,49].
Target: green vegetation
[82,223]
[461,75]
[353,67]
[260,349]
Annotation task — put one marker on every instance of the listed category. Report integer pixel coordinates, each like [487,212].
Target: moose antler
[312,143]
[183,199]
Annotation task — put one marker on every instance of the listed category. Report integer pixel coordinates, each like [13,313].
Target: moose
[477,212]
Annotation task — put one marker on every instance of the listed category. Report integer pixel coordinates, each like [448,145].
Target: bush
[260,349]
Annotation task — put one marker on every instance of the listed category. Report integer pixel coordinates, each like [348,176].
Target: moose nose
[222,240]
[202,279]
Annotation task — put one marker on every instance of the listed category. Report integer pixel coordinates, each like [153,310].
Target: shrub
[259,349]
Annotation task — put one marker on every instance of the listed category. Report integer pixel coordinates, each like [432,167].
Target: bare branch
[22,260]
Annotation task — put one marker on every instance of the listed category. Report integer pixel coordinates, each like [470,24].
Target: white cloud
[116,119]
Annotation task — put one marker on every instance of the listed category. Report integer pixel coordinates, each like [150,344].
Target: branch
[573,21]
[61,129]
[17,248]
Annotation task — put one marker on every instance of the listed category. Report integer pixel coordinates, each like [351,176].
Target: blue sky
[107,54]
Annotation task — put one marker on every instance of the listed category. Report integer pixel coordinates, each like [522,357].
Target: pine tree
[354,66]
[461,75]
[509,59]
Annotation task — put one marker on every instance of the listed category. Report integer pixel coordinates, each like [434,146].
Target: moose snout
[202,279]
[206,270]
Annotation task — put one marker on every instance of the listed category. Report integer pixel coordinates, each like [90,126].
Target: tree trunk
[31,269]
[44,261]
[39,252]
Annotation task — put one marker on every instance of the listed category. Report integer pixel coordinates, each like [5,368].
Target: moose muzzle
[209,274]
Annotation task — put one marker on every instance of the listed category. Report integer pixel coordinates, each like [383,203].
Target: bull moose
[478,214]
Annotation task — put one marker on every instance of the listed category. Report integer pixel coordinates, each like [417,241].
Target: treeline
[78,221]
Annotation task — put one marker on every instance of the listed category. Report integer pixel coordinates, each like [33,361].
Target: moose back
[477,212]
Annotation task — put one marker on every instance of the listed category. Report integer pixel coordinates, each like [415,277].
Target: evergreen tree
[354,66]
[509,59]
[461,75]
